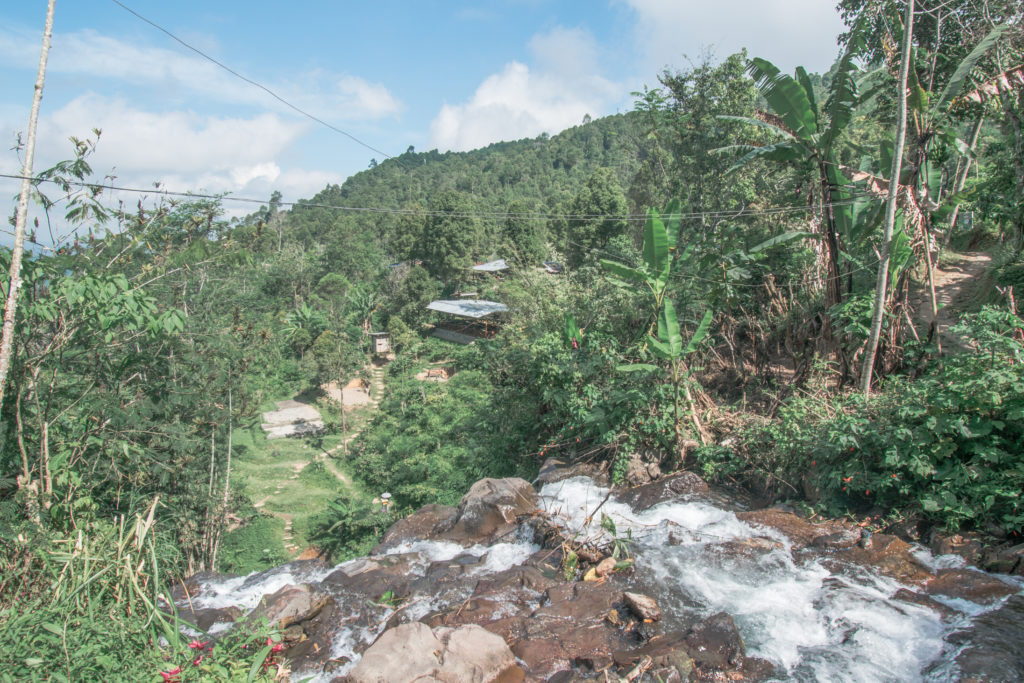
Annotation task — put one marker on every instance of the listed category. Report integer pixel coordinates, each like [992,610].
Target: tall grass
[93,606]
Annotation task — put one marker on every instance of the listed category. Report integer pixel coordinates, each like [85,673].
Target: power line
[252,82]
[535,216]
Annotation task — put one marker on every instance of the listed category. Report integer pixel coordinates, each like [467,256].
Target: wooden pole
[14,284]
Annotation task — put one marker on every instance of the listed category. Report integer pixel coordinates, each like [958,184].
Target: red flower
[196,645]
[847,479]
[172,675]
[195,662]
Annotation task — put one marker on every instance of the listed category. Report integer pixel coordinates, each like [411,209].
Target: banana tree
[668,346]
[808,138]
[659,255]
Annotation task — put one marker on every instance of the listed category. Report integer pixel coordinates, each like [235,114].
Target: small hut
[466,319]
[381,342]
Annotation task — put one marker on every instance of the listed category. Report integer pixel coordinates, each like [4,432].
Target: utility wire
[252,82]
[533,216]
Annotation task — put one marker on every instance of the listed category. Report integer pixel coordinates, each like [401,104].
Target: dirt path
[952,283]
[285,487]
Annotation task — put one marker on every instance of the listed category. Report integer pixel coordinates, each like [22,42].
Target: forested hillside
[722,245]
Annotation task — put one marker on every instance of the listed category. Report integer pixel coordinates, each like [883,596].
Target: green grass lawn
[283,475]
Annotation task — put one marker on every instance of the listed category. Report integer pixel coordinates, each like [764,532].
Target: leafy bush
[253,547]
[349,527]
[947,444]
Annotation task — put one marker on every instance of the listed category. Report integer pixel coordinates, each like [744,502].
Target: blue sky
[447,75]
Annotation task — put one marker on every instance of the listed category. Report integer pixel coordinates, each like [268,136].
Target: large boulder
[490,509]
[716,643]
[414,652]
[554,470]
[290,605]
[681,485]
[969,585]
[427,522]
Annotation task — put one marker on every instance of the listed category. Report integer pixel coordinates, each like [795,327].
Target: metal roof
[492,266]
[467,308]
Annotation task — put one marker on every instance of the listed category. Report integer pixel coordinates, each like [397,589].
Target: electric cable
[252,82]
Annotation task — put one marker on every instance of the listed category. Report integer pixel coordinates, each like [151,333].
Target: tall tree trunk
[890,205]
[961,177]
[14,285]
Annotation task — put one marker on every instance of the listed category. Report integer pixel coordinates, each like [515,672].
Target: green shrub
[254,546]
[947,445]
[90,606]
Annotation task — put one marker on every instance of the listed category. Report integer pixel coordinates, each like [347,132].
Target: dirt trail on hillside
[953,283]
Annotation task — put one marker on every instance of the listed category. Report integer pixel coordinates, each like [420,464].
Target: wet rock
[837,540]
[193,585]
[205,618]
[312,653]
[425,523]
[289,605]
[519,584]
[994,644]
[580,602]
[716,643]
[1005,560]
[490,509]
[414,652]
[965,546]
[554,470]
[969,585]
[922,600]
[371,578]
[890,556]
[669,654]
[642,469]
[642,606]
[799,530]
[673,487]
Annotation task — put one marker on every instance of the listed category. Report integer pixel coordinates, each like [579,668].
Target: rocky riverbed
[670,581]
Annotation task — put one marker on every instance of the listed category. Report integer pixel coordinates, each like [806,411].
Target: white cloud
[181,150]
[518,102]
[180,75]
[790,33]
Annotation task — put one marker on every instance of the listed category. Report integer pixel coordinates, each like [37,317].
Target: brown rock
[922,600]
[669,653]
[642,606]
[716,643]
[554,470]
[800,531]
[890,556]
[837,540]
[312,553]
[969,585]
[290,605]
[674,487]
[605,566]
[490,510]
[413,652]
[956,544]
[425,523]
